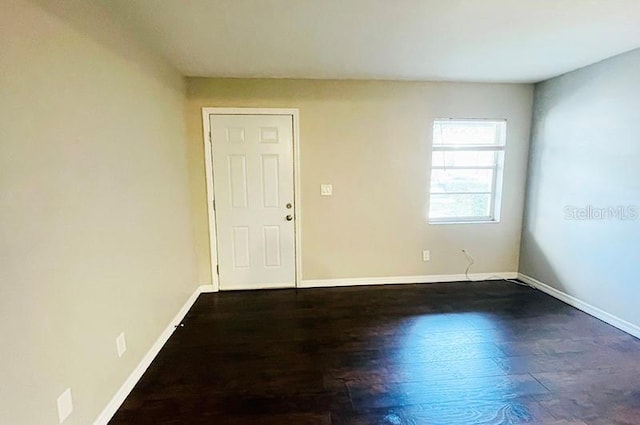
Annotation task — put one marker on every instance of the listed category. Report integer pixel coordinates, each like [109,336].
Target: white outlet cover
[326,189]
[426,255]
[65,405]
[121,344]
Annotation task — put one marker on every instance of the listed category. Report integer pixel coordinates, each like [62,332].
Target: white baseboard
[402,280]
[117,400]
[255,286]
[609,318]
[206,289]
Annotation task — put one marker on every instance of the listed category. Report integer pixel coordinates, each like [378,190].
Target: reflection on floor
[438,354]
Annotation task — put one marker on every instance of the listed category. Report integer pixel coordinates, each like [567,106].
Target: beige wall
[371,140]
[95,227]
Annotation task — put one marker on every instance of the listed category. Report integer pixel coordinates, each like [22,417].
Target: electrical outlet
[65,405]
[121,344]
[426,255]
[326,189]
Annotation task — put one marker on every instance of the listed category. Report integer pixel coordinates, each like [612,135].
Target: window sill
[465,222]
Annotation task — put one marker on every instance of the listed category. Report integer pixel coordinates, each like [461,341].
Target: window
[466,170]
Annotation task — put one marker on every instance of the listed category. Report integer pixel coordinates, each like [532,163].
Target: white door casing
[252,180]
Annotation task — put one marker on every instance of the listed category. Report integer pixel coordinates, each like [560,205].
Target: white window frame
[498,170]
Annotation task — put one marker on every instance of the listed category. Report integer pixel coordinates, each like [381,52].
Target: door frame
[207,112]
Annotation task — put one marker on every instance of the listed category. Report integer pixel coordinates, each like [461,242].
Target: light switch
[326,189]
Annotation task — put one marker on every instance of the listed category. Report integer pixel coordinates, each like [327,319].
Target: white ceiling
[453,40]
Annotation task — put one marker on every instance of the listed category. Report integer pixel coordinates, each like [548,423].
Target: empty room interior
[335,212]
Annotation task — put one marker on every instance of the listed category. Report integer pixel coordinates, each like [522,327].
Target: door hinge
[210,138]
[217,270]
[213,203]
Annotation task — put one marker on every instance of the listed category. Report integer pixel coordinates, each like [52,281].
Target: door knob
[289,217]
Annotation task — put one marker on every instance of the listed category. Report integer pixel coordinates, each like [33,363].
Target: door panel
[238,181]
[271,246]
[270,181]
[253,183]
[241,247]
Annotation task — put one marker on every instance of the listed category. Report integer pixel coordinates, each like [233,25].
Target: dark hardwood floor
[438,354]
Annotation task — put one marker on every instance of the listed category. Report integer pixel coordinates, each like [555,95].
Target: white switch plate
[326,189]
[426,255]
[121,344]
[65,405]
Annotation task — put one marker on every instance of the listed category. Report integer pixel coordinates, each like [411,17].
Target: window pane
[448,180]
[463,159]
[467,132]
[459,206]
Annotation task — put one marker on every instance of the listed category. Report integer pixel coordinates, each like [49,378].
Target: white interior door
[254,194]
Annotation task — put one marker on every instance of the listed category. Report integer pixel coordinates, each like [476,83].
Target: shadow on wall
[93,20]
[534,257]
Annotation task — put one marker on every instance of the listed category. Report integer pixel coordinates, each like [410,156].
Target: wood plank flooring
[437,354]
